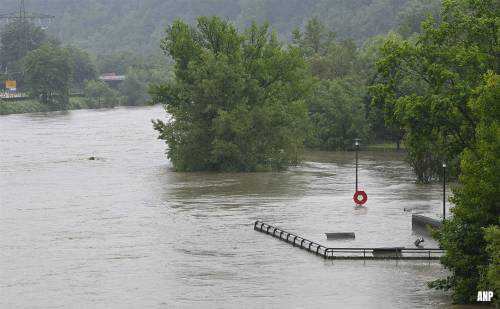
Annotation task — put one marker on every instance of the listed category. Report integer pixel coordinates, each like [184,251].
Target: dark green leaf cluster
[444,89]
[98,94]
[338,105]
[426,83]
[473,251]
[48,75]
[236,103]
[17,39]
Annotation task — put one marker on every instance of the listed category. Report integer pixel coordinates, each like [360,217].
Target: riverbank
[385,146]
[8,107]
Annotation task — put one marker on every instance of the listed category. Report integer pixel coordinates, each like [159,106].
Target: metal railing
[349,253]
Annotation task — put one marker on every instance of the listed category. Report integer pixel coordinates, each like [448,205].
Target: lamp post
[356,144]
[444,191]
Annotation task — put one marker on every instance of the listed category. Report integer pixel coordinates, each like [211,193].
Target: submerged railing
[394,253]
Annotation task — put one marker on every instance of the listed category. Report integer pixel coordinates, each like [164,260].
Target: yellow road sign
[10,84]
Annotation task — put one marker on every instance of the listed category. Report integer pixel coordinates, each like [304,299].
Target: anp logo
[484,295]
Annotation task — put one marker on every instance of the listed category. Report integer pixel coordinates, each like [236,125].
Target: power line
[24,19]
[23,16]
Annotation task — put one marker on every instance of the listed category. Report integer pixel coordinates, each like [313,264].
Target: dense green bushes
[443,88]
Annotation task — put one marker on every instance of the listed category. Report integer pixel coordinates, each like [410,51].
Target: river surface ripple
[124,231]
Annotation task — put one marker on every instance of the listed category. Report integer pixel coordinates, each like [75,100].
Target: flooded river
[124,231]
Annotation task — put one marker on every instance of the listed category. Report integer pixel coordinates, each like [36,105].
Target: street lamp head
[356,143]
[444,164]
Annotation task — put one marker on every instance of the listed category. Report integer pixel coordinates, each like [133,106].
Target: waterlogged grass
[33,106]
[22,106]
[385,146]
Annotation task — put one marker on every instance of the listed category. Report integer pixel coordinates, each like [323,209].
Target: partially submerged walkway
[388,253]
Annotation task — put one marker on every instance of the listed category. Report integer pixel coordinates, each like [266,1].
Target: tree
[418,11]
[337,60]
[444,88]
[82,67]
[314,39]
[141,74]
[117,63]
[472,251]
[337,115]
[99,94]
[134,91]
[366,70]
[427,83]
[336,102]
[237,99]
[17,38]
[490,281]
[48,75]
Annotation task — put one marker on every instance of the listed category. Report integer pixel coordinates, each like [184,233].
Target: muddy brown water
[125,231]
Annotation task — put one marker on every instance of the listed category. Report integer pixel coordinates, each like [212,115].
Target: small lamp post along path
[444,191]
[356,144]
[358,194]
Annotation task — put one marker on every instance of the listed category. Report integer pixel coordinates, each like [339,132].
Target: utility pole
[23,16]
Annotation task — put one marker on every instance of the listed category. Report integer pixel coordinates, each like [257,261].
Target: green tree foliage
[82,67]
[314,38]
[427,83]
[337,115]
[366,71]
[17,39]
[48,75]
[336,103]
[491,278]
[98,94]
[134,91]
[471,254]
[337,61]
[415,13]
[117,63]
[444,88]
[140,75]
[237,100]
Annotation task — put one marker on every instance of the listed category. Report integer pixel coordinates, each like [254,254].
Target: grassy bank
[384,146]
[32,106]
[22,106]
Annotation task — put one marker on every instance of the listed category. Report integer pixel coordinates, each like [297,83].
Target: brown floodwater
[125,231]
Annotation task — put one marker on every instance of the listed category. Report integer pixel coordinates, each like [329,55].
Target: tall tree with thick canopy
[336,102]
[426,84]
[48,75]
[471,236]
[236,103]
[444,90]
[82,68]
[17,38]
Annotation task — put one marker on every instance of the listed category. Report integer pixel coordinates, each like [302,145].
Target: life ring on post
[360,197]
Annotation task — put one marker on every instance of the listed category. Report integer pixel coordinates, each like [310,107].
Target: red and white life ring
[360,197]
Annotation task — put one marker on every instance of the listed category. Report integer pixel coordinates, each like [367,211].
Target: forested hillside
[105,26]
